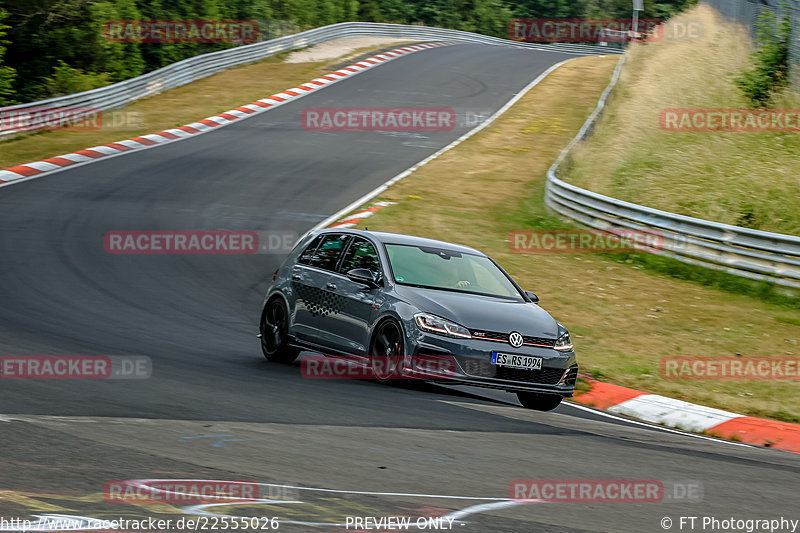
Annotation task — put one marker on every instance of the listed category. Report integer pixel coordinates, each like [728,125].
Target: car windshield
[436,268]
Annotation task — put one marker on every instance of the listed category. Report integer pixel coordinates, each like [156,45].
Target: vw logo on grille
[515,339]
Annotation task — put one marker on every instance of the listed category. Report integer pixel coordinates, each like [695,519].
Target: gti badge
[515,339]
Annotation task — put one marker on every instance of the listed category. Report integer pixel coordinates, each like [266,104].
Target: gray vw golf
[363,294]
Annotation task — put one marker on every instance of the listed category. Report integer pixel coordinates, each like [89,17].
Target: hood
[483,313]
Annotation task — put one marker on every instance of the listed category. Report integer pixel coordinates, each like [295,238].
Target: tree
[60,44]
[370,11]
[489,17]
[120,60]
[349,10]
[328,12]
[549,8]
[7,74]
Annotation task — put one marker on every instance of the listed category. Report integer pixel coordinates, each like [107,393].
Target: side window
[308,253]
[361,254]
[327,254]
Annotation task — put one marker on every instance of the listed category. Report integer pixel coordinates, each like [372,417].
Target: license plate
[517,361]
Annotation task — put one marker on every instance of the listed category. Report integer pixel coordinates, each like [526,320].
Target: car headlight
[440,326]
[564,343]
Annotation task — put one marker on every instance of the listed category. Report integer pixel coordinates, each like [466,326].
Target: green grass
[624,312]
[761,290]
[745,179]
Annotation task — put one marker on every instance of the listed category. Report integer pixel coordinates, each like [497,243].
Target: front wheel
[538,401]
[386,352]
[275,333]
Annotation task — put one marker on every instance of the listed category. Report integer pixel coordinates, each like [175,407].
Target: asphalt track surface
[214,409]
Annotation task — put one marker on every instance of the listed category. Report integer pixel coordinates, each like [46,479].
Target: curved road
[214,409]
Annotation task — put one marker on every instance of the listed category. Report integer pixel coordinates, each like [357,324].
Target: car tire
[274,330]
[388,342]
[538,401]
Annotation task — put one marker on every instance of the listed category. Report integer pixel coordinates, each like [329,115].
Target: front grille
[489,335]
[503,337]
[539,340]
[546,376]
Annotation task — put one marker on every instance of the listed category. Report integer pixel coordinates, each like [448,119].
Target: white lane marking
[360,214]
[203,509]
[130,144]
[672,412]
[43,166]
[7,175]
[179,133]
[144,483]
[456,516]
[376,191]
[215,118]
[651,426]
[198,126]
[10,178]
[157,138]
[107,150]
[363,214]
[78,158]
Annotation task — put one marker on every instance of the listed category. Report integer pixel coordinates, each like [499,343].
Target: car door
[310,278]
[347,330]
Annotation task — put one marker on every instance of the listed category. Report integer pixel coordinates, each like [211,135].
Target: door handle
[331,286]
[297,277]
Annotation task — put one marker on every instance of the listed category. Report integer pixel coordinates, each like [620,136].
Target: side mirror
[533,297]
[363,276]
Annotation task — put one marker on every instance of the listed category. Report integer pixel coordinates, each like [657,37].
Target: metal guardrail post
[744,252]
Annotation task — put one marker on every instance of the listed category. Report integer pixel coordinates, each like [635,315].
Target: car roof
[399,238]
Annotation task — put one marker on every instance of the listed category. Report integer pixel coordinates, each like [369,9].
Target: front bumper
[473,365]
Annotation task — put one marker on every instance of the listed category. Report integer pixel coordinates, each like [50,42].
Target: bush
[68,80]
[771,60]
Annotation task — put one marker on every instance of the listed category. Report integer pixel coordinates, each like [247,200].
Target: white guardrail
[194,68]
[749,253]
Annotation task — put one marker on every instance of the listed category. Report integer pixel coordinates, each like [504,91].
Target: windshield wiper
[460,291]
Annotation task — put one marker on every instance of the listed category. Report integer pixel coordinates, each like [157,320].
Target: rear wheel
[275,333]
[386,351]
[538,401]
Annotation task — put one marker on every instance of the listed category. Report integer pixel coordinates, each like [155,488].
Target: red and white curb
[691,417]
[55,164]
[351,220]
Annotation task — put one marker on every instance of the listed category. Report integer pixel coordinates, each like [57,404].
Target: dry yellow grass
[748,179]
[624,320]
[195,101]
